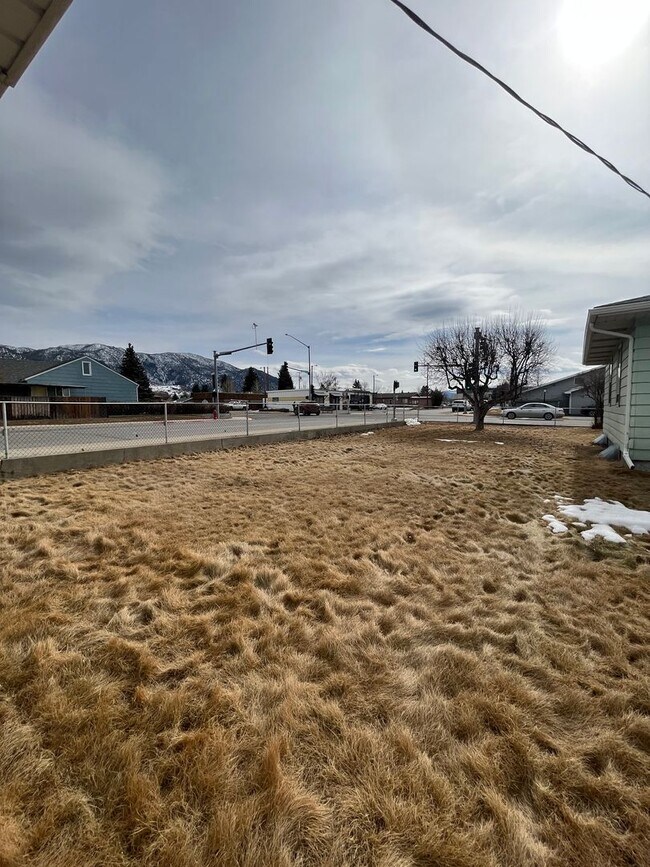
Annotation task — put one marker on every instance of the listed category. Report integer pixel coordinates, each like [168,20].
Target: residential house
[81,377]
[568,392]
[618,336]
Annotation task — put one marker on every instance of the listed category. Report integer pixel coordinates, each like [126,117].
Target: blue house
[81,377]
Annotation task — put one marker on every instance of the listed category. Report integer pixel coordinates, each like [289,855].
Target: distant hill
[164,369]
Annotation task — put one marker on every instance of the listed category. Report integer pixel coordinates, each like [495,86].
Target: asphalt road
[44,439]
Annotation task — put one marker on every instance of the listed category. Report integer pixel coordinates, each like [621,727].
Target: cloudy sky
[172,172]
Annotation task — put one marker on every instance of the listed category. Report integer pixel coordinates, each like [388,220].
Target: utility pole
[477,353]
[215,390]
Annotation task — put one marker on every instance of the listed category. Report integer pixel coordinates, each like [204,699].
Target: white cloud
[78,207]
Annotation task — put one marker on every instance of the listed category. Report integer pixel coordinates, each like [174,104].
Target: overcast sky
[172,172]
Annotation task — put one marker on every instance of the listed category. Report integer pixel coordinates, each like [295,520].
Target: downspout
[628,396]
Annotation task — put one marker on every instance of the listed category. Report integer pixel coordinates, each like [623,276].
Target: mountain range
[174,370]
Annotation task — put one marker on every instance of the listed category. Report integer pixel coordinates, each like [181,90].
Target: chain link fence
[33,428]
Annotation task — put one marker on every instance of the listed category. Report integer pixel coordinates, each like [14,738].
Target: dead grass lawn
[358,651]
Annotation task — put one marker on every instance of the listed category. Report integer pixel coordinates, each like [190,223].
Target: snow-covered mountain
[181,369]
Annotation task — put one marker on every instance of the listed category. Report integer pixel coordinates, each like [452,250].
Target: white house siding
[640,430]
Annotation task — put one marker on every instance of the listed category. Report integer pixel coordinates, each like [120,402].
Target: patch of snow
[411,422]
[578,524]
[603,530]
[499,443]
[600,512]
[367,433]
[555,525]
[441,440]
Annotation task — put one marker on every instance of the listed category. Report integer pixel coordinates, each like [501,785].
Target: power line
[515,95]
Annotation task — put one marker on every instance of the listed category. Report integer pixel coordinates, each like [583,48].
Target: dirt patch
[360,651]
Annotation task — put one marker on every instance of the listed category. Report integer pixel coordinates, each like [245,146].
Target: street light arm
[308,347]
[286,334]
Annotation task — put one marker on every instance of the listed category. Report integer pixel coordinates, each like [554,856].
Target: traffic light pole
[416,368]
[217,355]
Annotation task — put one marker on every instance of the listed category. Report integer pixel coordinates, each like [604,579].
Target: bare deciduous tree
[328,380]
[593,382]
[490,362]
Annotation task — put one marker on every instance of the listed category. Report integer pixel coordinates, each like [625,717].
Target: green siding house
[618,336]
[81,377]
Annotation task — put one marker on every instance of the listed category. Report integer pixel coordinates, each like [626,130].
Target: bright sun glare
[594,31]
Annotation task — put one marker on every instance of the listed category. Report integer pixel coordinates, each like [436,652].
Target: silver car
[534,410]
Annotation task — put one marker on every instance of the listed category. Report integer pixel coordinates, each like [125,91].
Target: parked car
[534,410]
[460,405]
[379,406]
[238,404]
[307,407]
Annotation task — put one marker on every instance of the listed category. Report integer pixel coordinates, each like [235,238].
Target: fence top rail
[45,400]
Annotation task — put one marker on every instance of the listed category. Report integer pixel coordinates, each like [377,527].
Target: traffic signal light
[395,385]
[269,346]
[416,366]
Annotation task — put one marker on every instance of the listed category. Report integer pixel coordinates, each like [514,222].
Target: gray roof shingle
[14,371]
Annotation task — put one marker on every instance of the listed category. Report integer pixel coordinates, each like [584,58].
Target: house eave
[27,30]
[620,318]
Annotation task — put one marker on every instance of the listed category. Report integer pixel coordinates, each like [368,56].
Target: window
[86,368]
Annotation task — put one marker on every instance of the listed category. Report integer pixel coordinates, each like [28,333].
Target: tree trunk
[479,418]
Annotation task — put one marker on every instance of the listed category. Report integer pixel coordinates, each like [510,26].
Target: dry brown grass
[364,651]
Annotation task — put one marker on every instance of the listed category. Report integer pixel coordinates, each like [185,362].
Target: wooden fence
[56,408]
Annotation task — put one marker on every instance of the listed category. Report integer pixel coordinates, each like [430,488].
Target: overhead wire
[513,93]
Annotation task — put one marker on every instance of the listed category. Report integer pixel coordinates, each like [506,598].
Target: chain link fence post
[364,415]
[5,430]
[165,422]
[297,411]
[336,413]
[248,406]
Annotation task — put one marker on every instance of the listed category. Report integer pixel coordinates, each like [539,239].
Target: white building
[286,397]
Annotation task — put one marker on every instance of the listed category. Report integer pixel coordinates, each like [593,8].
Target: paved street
[53,438]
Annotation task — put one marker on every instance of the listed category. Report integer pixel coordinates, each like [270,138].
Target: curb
[19,468]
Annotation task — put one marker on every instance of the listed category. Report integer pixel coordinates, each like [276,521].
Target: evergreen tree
[196,388]
[435,397]
[284,377]
[251,382]
[132,368]
[356,384]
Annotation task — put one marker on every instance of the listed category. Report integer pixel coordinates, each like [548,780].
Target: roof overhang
[621,318]
[24,27]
